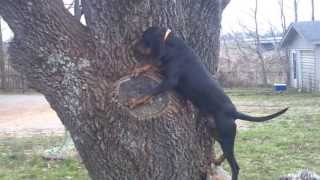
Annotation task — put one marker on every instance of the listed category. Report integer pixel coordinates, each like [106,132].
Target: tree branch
[198,16]
[44,30]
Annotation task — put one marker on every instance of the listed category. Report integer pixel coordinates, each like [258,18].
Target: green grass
[283,145]
[20,159]
[265,151]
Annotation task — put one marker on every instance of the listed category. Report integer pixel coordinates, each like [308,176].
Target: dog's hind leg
[227,146]
[227,129]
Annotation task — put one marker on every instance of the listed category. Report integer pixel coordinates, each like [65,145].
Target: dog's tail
[243,116]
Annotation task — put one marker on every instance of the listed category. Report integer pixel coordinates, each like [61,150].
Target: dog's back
[195,82]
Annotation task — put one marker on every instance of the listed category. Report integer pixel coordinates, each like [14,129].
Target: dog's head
[152,42]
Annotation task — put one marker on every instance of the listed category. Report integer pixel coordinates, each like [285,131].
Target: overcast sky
[241,12]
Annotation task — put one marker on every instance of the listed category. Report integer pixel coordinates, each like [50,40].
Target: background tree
[284,58]
[258,46]
[2,61]
[295,5]
[312,10]
[283,17]
[82,71]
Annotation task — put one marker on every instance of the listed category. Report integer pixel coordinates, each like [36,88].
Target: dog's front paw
[132,103]
[138,71]
[135,73]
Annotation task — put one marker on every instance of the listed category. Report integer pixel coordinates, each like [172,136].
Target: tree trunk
[295,4]
[283,17]
[82,71]
[312,10]
[258,47]
[2,62]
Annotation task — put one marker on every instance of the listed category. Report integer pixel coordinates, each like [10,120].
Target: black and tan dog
[185,74]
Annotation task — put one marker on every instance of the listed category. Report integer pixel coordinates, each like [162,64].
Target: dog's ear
[158,48]
[153,38]
[158,44]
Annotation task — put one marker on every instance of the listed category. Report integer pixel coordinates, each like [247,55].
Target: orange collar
[167,34]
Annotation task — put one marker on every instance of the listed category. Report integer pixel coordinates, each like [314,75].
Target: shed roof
[309,30]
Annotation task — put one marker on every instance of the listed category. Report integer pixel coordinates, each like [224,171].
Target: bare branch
[282,16]
[295,11]
[312,10]
[243,53]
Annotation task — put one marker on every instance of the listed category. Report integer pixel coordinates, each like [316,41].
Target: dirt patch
[27,115]
[30,114]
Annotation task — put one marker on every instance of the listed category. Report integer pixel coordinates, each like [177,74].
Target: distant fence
[11,79]
[249,78]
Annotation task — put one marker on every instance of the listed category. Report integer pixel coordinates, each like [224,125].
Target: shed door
[295,69]
[308,70]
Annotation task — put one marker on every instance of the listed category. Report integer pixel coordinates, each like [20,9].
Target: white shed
[302,41]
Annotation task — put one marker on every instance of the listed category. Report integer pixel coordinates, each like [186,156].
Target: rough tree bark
[82,72]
